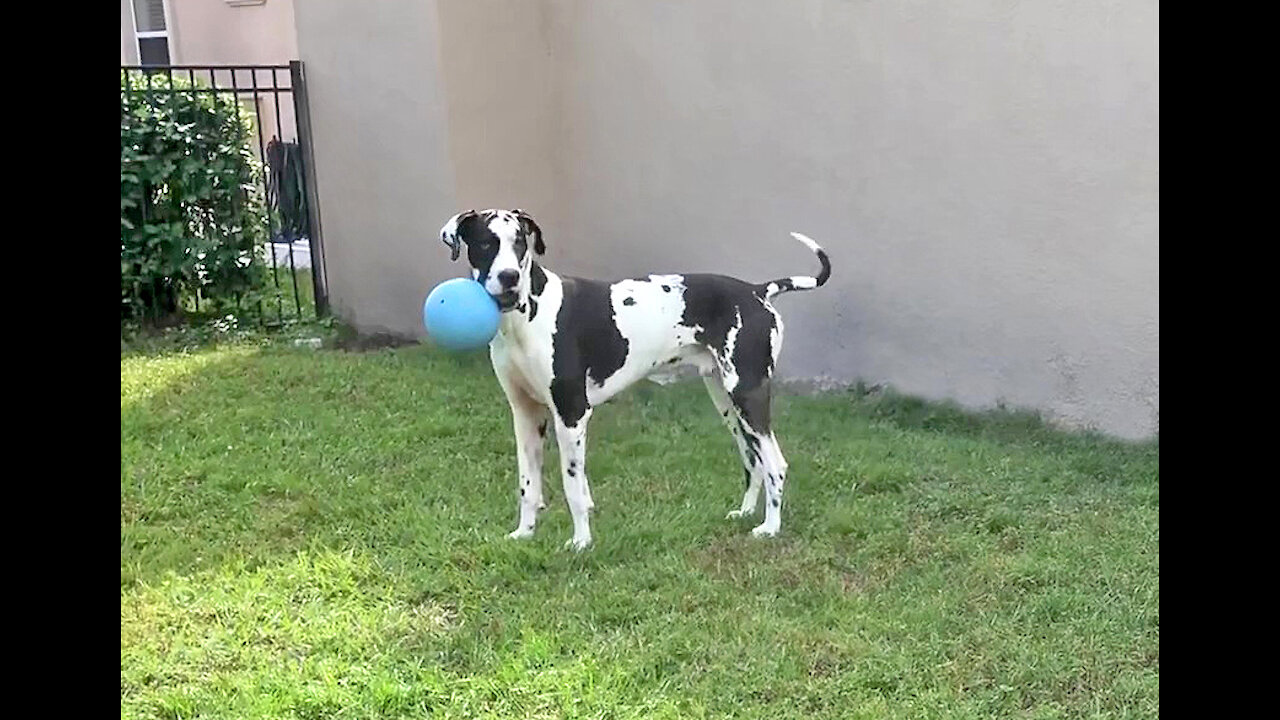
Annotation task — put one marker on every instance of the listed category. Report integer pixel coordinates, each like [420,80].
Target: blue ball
[460,315]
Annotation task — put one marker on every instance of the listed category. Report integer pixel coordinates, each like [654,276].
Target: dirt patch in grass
[358,342]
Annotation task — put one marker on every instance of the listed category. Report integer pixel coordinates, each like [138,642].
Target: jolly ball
[460,315]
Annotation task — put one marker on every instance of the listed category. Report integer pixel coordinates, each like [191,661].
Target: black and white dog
[566,345]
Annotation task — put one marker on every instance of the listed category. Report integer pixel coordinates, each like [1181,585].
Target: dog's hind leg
[729,414]
[751,402]
[775,473]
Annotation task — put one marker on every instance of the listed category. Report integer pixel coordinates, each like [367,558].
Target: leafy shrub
[192,214]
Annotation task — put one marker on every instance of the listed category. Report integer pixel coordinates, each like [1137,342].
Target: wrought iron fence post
[302,115]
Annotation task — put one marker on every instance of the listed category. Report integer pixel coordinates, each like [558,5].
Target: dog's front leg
[529,419]
[530,428]
[572,440]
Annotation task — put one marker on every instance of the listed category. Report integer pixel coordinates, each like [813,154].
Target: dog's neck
[528,306]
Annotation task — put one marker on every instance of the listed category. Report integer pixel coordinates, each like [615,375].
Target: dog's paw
[521,534]
[735,514]
[577,544]
[762,531]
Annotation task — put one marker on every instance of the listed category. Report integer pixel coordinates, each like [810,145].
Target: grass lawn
[321,534]
[288,296]
[291,294]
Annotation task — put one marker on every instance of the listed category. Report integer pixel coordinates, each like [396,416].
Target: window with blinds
[152,32]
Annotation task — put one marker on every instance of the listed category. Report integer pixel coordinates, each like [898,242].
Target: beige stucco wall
[212,32]
[382,154]
[503,104]
[985,174]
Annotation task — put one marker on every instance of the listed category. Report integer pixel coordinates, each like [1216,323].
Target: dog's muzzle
[506,300]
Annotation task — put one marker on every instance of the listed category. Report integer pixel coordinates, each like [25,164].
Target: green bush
[192,214]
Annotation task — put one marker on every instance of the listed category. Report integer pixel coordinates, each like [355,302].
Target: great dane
[565,345]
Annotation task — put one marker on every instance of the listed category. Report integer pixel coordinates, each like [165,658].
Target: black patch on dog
[572,473]
[753,445]
[629,301]
[542,429]
[776,503]
[482,244]
[529,228]
[746,476]
[570,398]
[537,280]
[709,302]
[753,404]
[666,288]
[587,346]
[533,309]
[715,302]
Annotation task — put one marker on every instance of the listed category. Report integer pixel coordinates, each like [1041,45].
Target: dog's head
[500,247]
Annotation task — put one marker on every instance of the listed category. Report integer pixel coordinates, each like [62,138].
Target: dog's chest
[522,351]
[524,367]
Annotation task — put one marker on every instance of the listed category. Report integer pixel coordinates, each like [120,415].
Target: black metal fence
[276,97]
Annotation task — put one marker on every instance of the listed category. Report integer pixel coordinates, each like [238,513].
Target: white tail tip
[807,241]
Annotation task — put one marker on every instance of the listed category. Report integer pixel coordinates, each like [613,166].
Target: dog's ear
[531,229]
[452,230]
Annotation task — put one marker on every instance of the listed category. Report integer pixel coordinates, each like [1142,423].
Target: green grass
[313,534]
[288,296]
[290,293]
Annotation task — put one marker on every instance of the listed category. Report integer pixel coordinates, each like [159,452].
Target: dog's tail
[800,282]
